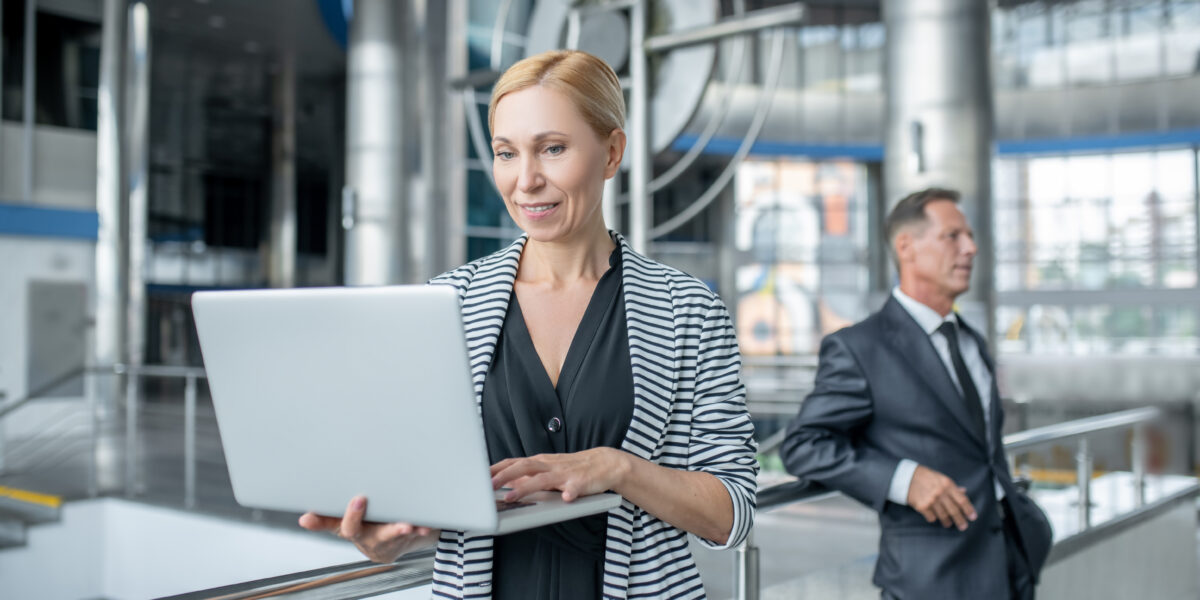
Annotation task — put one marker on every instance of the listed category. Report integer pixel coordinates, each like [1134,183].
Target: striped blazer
[689,412]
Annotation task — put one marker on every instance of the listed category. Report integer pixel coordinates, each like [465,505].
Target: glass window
[13,40]
[801,228]
[67,76]
[1092,225]
[1041,46]
[485,208]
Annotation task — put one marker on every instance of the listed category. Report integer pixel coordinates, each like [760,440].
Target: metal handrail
[746,577]
[1080,427]
[800,491]
[42,390]
[352,580]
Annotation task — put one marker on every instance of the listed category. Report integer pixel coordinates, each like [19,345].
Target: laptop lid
[322,394]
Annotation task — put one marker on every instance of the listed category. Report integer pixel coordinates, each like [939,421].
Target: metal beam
[752,22]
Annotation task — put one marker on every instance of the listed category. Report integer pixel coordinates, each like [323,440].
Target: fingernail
[360,503]
[973,516]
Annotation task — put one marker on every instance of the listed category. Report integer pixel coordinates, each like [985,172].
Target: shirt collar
[926,317]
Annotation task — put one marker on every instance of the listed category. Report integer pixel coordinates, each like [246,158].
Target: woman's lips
[539,211]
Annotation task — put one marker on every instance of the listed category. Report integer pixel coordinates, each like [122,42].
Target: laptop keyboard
[502,505]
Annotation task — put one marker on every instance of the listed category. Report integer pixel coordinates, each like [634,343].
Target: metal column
[641,205]
[454,132]
[29,108]
[139,183]
[435,221]
[375,200]
[939,119]
[111,274]
[282,272]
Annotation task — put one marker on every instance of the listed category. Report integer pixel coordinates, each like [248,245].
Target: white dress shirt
[929,321]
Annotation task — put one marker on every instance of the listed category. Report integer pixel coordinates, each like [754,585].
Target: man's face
[940,253]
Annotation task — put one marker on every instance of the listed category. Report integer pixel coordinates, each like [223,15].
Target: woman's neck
[582,257]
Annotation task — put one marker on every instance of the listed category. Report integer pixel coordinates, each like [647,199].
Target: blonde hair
[587,81]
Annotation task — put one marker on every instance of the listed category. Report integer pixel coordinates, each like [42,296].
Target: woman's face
[549,165]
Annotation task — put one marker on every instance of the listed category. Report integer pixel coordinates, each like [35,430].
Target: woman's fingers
[536,483]
[352,522]
[504,464]
[314,522]
[516,469]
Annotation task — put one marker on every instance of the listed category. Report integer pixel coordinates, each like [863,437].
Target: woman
[595,368]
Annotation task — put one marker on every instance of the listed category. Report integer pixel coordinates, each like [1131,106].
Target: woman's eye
[504,155]
[556,149]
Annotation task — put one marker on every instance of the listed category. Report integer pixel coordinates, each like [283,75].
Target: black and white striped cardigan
[689,412]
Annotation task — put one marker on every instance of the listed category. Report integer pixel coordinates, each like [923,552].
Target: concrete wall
[114,549]
[64,178]
[1156,559]
[64,173]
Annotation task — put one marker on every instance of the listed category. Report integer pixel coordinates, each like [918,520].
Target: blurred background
[152,149]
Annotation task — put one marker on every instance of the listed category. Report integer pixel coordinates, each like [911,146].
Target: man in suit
[905,417]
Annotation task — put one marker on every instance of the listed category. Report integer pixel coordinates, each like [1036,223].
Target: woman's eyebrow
[537,138]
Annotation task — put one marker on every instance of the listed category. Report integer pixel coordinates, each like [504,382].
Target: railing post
[746,573]
[1138,455]
[1083,478]
[132,382]
[189,442]
[92,407]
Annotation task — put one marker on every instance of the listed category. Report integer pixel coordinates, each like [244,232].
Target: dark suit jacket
[883,394]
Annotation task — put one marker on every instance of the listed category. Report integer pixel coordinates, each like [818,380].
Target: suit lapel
[915,346]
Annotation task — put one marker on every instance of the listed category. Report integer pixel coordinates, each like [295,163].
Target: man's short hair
[911,211]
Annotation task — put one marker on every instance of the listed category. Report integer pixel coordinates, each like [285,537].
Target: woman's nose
[530,177]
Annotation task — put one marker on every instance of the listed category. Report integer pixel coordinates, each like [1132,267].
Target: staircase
[20,509]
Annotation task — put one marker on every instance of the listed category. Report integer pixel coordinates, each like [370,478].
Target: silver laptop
[322,394]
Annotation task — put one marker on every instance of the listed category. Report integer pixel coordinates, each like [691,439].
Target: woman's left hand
[576,474]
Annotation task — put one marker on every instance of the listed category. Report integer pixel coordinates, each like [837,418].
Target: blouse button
[554,425]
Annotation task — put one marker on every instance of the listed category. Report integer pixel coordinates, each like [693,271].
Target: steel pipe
[1072,429]
[758,20]
[746,585]
[710,128]
[1083,479]
[1138,456]
[641,206]
[189,442]
[756,125]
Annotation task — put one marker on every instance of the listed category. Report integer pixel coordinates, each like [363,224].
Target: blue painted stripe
[16,219]
[336,16]
[874,153]
[728,146]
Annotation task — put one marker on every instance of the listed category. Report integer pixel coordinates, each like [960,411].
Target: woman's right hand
[380,542]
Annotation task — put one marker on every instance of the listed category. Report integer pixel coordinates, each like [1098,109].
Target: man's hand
[938,498]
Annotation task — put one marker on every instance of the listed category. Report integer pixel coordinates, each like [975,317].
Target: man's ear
[902,246]
[616,151]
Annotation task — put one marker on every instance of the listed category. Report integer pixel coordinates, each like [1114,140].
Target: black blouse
[524,414]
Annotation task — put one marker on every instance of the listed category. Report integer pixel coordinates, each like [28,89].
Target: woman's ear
[615,152]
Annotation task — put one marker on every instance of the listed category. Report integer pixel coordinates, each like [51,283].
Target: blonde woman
[596,369]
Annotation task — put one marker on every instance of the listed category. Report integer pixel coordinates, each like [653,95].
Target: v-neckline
[576,351]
